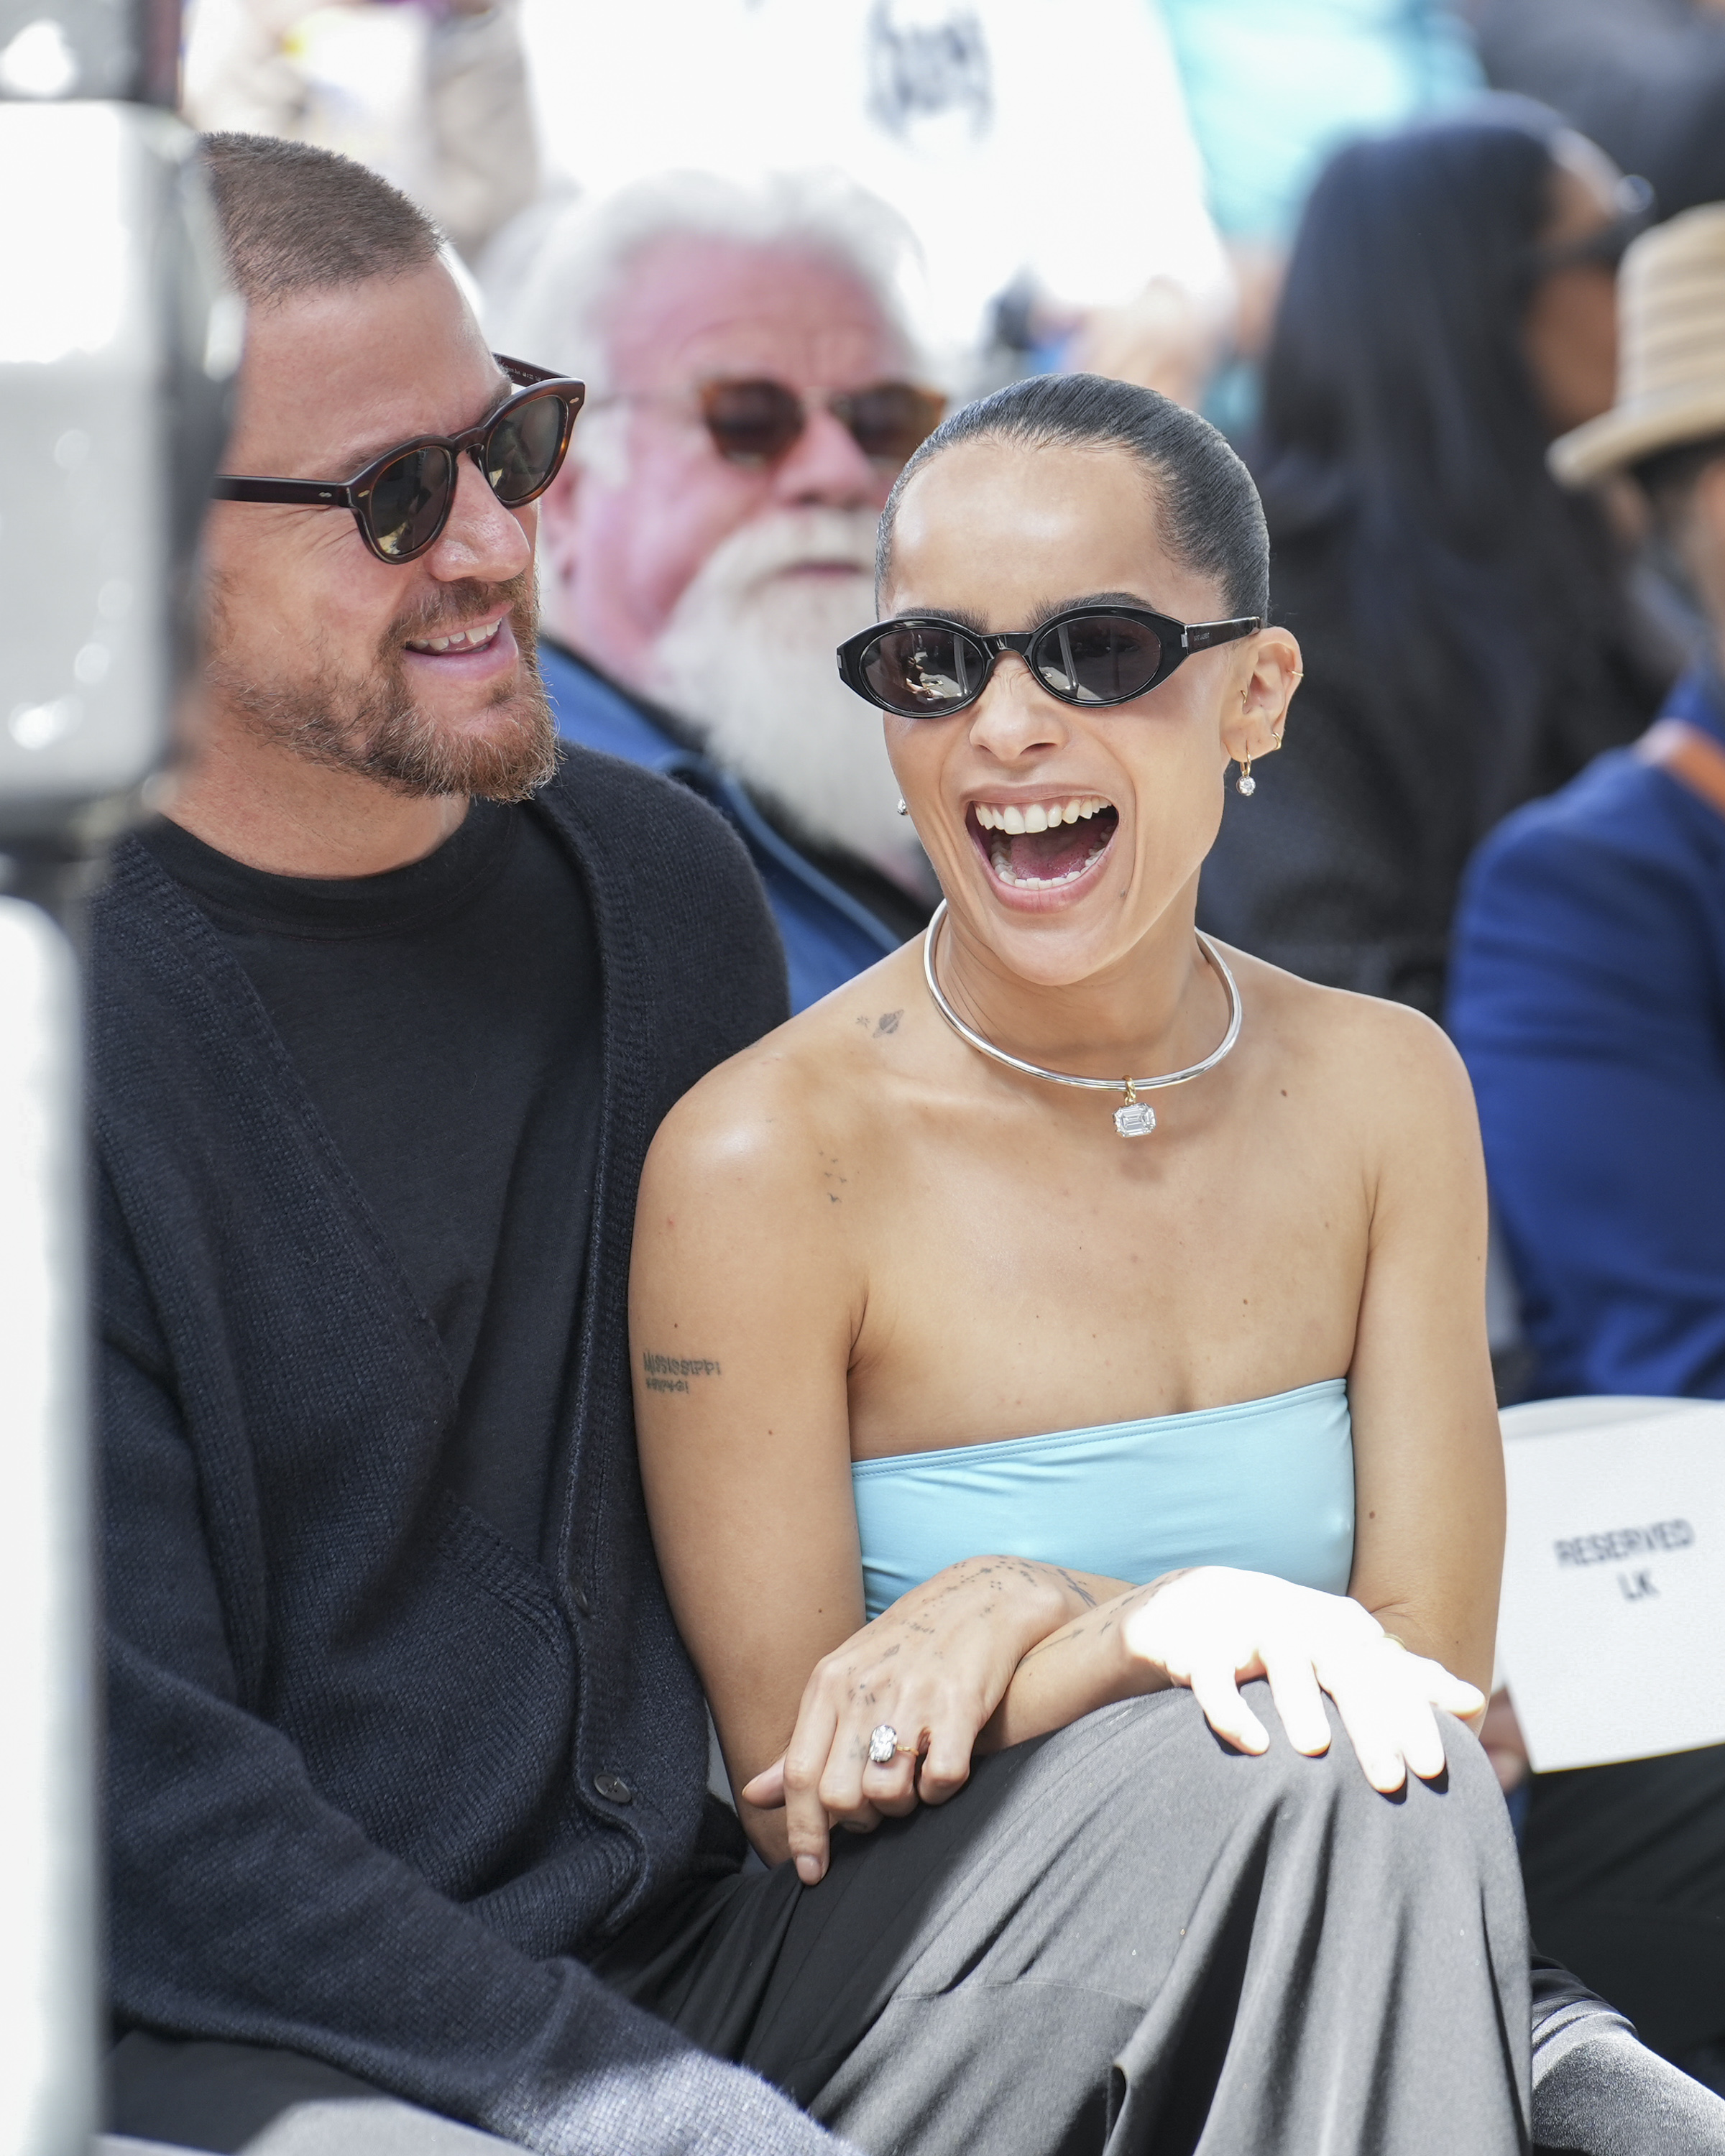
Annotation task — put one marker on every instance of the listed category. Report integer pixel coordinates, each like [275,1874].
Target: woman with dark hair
[1469,638]
[1038,1457]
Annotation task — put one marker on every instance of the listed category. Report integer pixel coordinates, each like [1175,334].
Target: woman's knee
[1463,1801]
[1162,1741]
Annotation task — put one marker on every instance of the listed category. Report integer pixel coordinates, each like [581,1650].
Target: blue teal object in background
[1272,86]
[1266,1485]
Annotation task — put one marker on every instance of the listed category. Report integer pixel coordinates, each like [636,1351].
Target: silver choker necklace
[1134,1118]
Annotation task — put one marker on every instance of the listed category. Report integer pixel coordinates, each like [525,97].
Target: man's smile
[476,651]
[459,639]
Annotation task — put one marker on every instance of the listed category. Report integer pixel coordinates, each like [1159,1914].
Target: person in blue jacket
[1588,984]
[754,388]
[1588,997]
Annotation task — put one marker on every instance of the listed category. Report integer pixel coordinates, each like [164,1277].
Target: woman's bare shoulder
[802,1090]
[1379,1062]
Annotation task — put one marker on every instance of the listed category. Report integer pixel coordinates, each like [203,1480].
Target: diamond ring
[883,1742]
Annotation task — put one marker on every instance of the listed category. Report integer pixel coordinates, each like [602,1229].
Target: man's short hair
[295,219]
[558,313]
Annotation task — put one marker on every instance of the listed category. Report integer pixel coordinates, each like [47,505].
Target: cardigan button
[614,1788]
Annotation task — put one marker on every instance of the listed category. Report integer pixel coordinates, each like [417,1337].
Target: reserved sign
[1611,1634]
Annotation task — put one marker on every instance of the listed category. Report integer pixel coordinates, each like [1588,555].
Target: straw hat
[1671,367]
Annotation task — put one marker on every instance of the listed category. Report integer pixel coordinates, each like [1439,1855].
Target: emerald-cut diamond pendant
[1136,1119]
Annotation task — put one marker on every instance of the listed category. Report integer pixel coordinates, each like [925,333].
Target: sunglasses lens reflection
[924,673]
[1097,658]
[408,500]
[522,451]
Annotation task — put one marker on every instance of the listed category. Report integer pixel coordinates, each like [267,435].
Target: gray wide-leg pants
[1126,1937]
[1122,1937]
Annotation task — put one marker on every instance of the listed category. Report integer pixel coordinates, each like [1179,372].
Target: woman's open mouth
[1032,846]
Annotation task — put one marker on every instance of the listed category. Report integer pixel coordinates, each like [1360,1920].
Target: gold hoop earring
[1245,783]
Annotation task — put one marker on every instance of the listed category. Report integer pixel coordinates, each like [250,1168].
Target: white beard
[746,660]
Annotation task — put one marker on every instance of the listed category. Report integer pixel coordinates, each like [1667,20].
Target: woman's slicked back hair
[1210,518]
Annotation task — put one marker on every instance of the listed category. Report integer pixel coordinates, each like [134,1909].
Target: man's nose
[482,538]
[825,465]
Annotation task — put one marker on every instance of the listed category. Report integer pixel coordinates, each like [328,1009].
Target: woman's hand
[933,1668]
[1213,1628]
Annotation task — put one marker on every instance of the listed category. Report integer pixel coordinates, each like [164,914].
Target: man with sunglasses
[383,1017]
[755,389]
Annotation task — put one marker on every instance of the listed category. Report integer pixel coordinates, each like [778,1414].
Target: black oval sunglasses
[924,667]
[402,501]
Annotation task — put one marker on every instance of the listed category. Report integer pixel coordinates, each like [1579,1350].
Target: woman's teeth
[1030,844]
[1039,815]
[459,640]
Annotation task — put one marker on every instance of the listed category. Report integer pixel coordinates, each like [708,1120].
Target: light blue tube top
[1265,1484]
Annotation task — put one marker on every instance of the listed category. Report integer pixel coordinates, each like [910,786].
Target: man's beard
[747,661]
[369,724]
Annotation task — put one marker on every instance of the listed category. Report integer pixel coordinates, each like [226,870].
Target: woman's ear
[1256,708]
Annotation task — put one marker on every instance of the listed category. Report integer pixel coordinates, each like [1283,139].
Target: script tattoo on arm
[672,1373]
[1101,1617]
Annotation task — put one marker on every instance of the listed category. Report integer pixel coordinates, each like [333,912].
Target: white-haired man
[754,388]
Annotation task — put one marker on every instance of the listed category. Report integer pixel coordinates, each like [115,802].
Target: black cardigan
[374,1777]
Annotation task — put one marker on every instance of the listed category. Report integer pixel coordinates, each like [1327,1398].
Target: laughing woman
[1067,1324]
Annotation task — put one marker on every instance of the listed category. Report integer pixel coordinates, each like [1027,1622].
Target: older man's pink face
[620,546]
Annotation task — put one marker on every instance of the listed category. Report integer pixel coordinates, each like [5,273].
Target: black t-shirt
[445,1018]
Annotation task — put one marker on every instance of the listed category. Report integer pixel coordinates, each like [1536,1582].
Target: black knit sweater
[376,1778]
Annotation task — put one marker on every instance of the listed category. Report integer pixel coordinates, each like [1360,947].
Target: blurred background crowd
[1378,243]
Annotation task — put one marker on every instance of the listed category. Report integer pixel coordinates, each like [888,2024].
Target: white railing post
[48,2038]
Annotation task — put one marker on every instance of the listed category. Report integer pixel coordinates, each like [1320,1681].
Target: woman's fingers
[810,1840]
[807,1819]
[1213,1628]
[1422,1742]
[945,1766]
[1214,1689]
[1454,1695]
[1384,1697]
[891,1787]
[766,1792]
[1437,1688]
[1372,1724]
[1294,1687]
